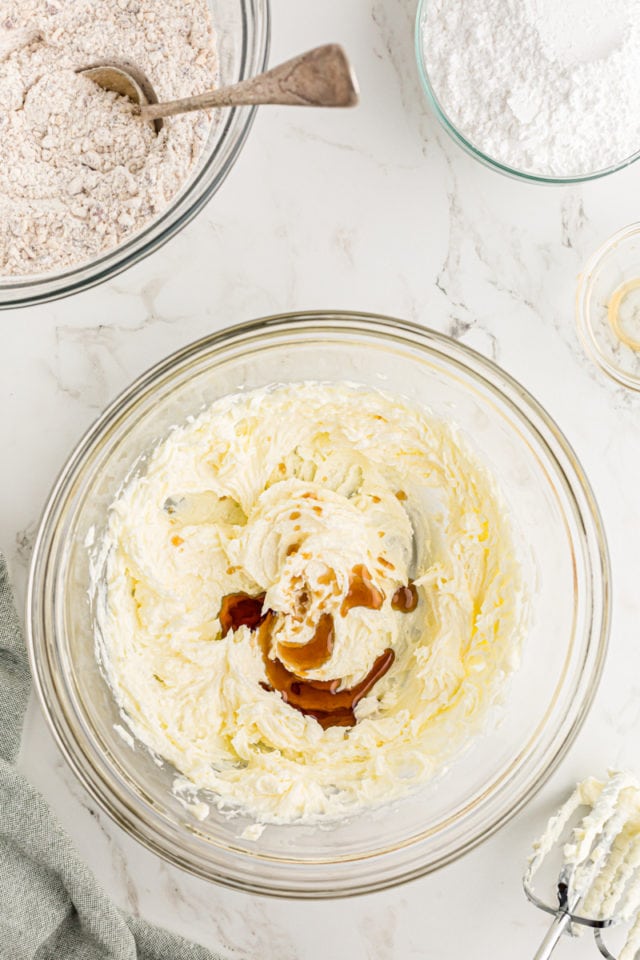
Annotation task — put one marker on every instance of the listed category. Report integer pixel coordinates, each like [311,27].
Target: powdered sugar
[545,86]
[78,172]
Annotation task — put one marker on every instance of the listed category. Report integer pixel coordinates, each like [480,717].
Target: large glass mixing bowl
[553,511]
[242,43]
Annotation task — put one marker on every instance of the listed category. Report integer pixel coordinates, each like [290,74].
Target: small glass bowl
[564,551]
[242,31]
[608,306]
[467,145]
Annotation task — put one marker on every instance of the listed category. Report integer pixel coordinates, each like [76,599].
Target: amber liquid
[405,599]
[316,698]
[361,592]
[241,610]
[311,655]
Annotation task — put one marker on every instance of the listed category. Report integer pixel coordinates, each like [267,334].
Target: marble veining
[374,209]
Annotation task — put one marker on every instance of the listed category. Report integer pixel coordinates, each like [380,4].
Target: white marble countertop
[377,210]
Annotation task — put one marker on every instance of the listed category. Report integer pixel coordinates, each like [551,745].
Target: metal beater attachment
[597,864]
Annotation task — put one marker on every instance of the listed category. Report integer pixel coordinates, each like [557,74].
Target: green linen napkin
[51,907]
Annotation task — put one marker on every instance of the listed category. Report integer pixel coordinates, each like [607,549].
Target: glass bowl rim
[593,639]
[584,289]
[485,159]
[26,291]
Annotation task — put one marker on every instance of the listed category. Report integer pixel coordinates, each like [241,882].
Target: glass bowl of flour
[392,389]
[539,90]
[88,189]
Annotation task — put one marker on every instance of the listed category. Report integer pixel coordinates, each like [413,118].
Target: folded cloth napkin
[51,907]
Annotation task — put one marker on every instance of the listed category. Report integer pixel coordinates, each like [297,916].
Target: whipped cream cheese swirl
[323,503]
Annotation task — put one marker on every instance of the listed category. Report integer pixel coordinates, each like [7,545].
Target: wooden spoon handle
[321,77]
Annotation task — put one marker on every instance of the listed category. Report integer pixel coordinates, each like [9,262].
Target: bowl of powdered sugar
[87,187]
[544,90]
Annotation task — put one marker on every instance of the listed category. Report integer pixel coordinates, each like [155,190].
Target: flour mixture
[78,172]
[309,599]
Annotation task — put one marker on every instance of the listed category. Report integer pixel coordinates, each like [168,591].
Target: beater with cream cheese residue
[600,872]
[311,599]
